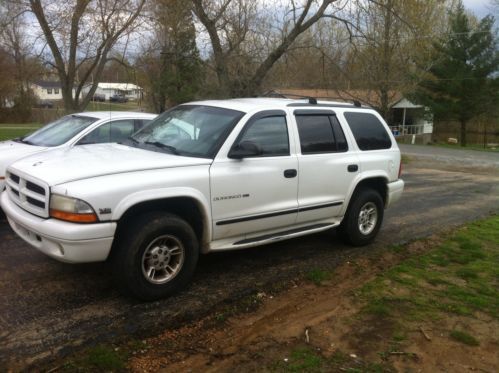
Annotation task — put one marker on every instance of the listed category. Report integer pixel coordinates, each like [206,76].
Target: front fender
[164,193]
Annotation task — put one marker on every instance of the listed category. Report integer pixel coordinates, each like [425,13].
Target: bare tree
[393,40]
[20,66]
[81,34]
[233,25]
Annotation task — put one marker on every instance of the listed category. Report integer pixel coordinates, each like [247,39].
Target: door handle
[290,173]
[353,168]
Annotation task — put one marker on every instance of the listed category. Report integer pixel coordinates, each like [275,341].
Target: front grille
[14,178]
[27,193]
[35,202]
[35,188]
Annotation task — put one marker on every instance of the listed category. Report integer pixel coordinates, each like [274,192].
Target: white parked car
[71,130]
[204,177]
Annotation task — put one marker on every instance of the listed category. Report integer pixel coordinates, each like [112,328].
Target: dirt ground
[50,311]
[324,319]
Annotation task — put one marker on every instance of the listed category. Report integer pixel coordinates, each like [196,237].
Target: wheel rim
[368,217]
[162,259]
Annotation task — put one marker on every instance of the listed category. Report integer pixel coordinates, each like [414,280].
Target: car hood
[11,151]
[86,161]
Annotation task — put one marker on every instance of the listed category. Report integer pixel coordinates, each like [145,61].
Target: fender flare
[360,178]
[166,193]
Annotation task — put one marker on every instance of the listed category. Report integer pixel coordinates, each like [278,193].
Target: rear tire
[155,256]
[363,218]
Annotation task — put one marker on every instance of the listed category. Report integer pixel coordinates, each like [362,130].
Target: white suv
[203,177]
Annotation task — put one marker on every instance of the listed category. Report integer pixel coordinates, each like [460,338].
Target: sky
[480,7]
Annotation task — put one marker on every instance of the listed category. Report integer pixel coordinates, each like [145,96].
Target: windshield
[58,132]
[190,130]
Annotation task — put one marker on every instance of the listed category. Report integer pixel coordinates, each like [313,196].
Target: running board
[282,235]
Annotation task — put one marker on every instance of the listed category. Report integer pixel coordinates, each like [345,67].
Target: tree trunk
[463,132]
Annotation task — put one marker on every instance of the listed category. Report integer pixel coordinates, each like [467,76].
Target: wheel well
[184,207]
[376,183]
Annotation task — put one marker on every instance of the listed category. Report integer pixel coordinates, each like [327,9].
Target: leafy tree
[461,84]
[179,78]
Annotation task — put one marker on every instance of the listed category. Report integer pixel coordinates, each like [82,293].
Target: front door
[258,192]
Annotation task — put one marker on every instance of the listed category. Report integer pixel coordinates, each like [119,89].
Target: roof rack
[311,100]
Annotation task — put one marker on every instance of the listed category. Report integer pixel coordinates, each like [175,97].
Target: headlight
[71,209]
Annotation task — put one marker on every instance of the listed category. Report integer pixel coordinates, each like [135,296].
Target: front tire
[363,219]
[155,257]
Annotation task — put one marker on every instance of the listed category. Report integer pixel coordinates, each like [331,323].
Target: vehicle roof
[116,114]
[249,104]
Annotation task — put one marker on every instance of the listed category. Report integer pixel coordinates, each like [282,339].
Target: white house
[128,90]
[411,119]
[47,90]
[51,90]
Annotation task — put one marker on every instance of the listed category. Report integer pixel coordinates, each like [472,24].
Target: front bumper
[64,241]
[394,192]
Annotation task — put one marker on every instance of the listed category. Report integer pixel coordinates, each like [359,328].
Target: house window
[49,91]
[56,91]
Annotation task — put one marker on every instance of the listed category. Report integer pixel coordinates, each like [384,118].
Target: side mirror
[245,149]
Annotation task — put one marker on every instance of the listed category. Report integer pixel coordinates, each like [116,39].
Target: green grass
[98,359]
[460,277]
[478,147]
[464,337]
[318,276]
[405,159]
[307,360]
[111,106]
[12,131]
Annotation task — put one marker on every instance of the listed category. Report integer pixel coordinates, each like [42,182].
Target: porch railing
[415,129]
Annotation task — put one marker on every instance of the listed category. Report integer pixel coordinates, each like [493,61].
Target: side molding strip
[278,213]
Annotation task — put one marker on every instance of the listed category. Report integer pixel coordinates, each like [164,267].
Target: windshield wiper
[21,140]
[158,144]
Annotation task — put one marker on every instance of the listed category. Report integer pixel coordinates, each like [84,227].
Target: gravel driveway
[452,157]
[49,309]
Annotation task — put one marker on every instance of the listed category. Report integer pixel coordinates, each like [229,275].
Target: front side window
[56,91]
[269,134]
[59,132]
[369,132]
[189,130]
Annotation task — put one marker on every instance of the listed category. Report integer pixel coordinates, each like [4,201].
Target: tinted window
[368,131]
[316,134]
[140,123]
[339,136]
[270,134]
[60,131]
[99,135]
[122,129]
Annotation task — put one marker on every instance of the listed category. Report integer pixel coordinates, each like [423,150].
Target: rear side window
[320,134]
[369,132]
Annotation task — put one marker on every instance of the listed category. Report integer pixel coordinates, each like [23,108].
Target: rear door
[327,165]
[257,193]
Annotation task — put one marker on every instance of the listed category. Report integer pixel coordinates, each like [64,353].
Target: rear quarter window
[369,132]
